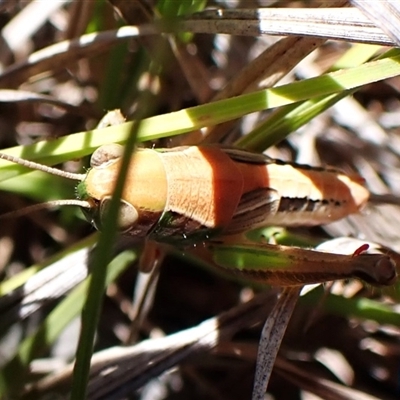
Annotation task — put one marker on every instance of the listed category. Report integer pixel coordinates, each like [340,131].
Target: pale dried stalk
[271,338]
[348,24]
[385,14]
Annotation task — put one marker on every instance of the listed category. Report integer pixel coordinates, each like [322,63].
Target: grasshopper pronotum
[192,194]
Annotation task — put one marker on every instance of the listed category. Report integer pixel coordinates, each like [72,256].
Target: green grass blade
[356,307]
[183,121]
[101,257]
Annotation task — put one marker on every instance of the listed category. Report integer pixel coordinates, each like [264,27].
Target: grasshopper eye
[127,217]
[105,154]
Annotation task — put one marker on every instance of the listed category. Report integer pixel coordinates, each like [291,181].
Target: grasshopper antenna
[41,167]
[49,204]
[46,205]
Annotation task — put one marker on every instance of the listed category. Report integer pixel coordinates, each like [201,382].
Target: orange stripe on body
[203,184]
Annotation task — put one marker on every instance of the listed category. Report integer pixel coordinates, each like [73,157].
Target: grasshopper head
[102,158]
[143,198]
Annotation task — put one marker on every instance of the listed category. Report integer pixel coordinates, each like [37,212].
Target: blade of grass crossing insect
[103,253]
[101,258]
[271,338]
[97,280]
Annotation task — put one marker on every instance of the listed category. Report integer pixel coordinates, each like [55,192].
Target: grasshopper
[197,194]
